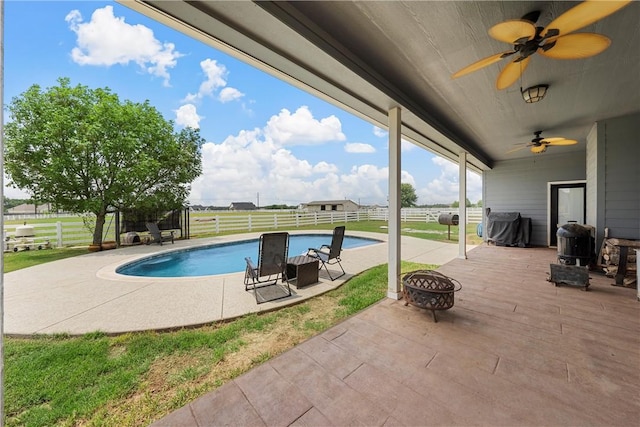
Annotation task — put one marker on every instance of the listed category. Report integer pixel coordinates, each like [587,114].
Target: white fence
[61,234]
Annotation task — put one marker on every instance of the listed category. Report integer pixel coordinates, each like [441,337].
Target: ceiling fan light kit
[534,93]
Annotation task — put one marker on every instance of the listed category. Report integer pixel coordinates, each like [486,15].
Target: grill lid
[573,230]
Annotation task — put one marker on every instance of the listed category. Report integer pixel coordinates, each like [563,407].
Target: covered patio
[514,350]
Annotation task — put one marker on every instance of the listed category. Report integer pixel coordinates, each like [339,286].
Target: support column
[393,290]
[462,224]
[1,211]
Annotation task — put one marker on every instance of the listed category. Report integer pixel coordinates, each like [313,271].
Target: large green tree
[408,196]
[85,151]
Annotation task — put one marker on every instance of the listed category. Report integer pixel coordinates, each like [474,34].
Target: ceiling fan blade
[511,72]
[583,14]
[512,30]
[539,149]
[482,63]
[531,16]
[513,150]
[575,46]
[559,141]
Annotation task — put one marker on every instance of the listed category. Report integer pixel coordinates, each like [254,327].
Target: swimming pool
[224,258]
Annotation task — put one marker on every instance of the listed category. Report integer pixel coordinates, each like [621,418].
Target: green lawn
[23,259]
[136,378]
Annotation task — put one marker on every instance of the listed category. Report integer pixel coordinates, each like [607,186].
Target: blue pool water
[224,258]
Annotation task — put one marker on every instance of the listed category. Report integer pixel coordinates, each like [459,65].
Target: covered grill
[575,245]
[429,289]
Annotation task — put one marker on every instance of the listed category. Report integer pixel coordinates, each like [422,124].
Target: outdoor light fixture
[534,93]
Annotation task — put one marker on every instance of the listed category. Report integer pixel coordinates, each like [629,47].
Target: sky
[267,142]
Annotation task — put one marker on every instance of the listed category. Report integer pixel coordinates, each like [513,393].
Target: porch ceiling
[370,56]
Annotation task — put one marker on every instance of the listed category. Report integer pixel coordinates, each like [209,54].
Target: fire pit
[429,289]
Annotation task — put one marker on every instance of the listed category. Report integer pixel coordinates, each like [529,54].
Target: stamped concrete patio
[515,350]
[84,294]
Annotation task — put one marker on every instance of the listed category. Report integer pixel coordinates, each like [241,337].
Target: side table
[302,270]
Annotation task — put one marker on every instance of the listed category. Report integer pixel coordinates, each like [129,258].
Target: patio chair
[330,254]
[272,266]
[156,234]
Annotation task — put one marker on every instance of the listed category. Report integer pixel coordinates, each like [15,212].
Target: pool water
[224,258]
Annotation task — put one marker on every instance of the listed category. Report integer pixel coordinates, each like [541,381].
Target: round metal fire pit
[429,289]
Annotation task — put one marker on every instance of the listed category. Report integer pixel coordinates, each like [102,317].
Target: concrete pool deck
[84,294]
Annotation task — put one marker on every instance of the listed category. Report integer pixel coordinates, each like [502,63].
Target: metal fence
[65,233]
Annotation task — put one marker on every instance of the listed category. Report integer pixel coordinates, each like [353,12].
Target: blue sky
[265,138]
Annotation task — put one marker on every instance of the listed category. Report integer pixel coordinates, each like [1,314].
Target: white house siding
[521,185]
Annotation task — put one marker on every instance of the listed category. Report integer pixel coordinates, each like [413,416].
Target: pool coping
[75,295]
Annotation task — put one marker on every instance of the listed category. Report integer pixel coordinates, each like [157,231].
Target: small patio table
[302,270]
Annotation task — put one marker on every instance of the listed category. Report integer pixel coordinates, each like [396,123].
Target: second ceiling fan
[553,41]
[539,144]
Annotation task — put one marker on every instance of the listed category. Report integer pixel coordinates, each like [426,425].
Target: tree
[456,204]
[86,152]
[408,196]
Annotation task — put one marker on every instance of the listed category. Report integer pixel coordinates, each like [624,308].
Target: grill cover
[502,227]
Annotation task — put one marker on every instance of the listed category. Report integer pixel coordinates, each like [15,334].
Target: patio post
[393,290]
[462,209]
[2,209]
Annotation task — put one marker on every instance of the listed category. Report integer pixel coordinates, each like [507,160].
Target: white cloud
[300,128]
[379,132]
[324,167]
[14,193]
[406,146]
[445,188]
[107,40]
[253,162]
[187,115]
[229,94]
[359,147]
[216,77]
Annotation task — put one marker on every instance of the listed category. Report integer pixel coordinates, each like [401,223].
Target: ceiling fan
[553,41]
[539,144]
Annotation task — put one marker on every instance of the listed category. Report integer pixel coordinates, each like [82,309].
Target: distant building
[242,206]
[28,208]
[331,205]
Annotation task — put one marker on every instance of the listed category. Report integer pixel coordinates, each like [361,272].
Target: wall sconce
[534,93]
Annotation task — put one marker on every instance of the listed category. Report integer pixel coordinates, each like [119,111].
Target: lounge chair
[156,234]
[272,266]
[330,254]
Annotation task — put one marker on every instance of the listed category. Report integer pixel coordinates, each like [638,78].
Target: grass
[23,259]
[136,378]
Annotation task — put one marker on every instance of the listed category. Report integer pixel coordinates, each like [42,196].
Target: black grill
[575,245]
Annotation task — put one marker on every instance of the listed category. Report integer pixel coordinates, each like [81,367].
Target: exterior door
[568,204]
